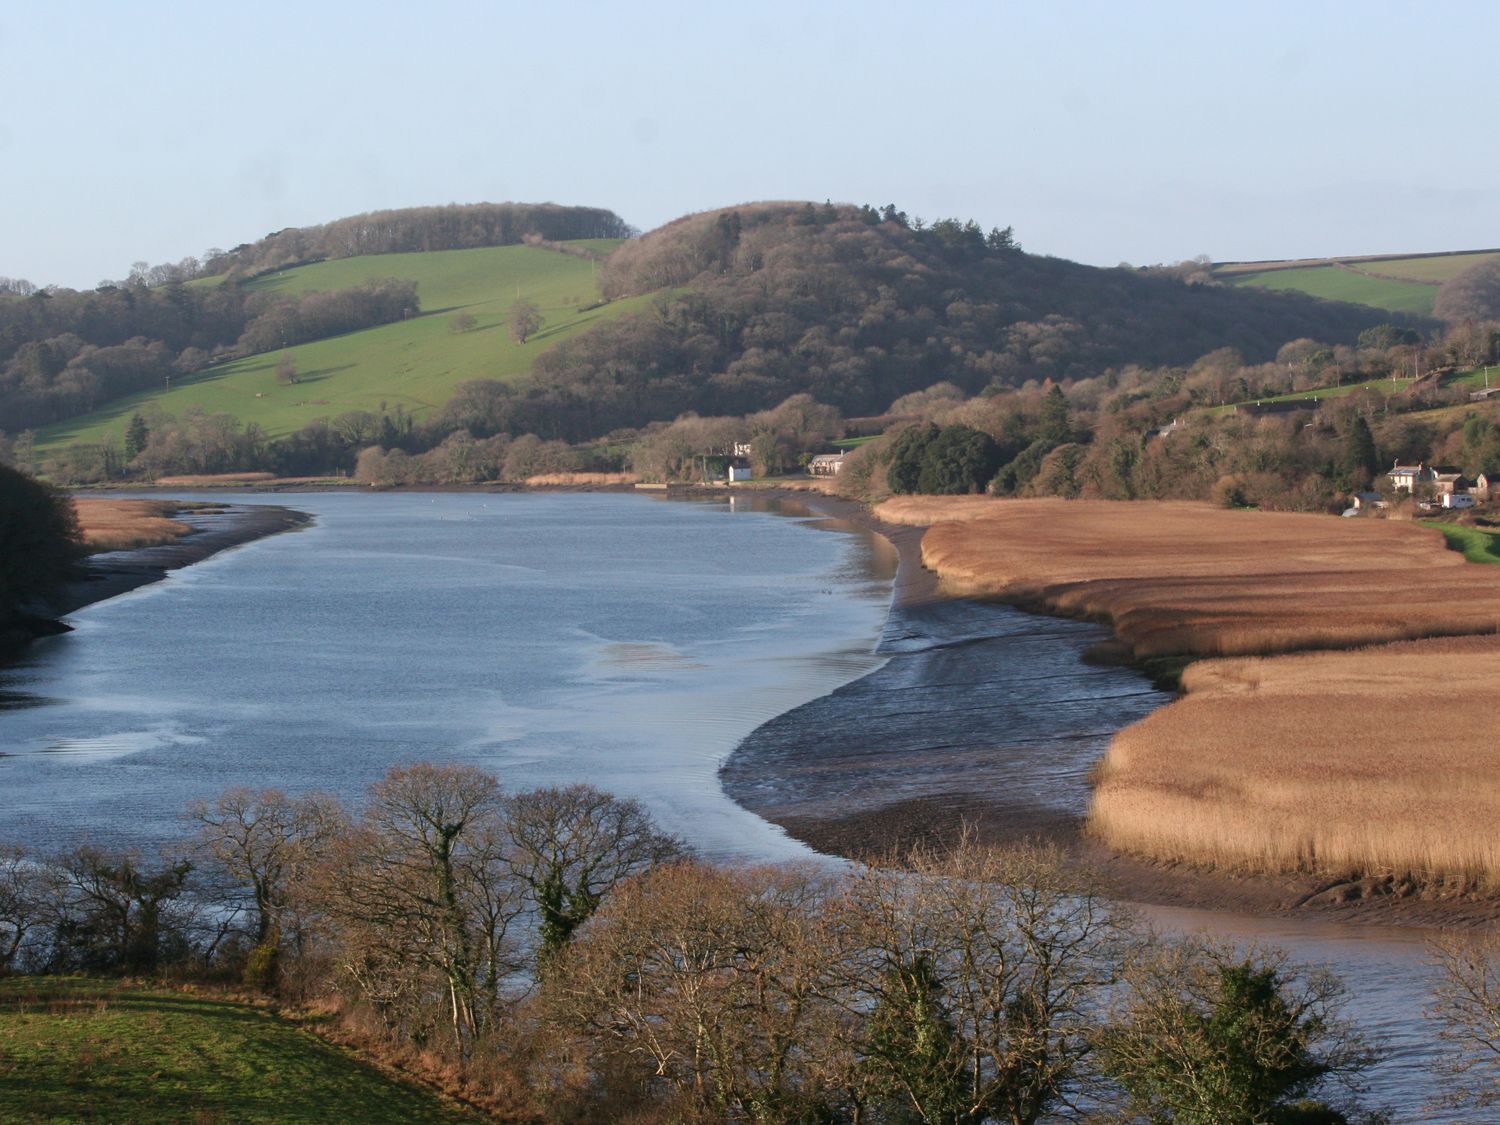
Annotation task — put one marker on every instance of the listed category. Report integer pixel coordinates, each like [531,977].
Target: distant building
[826,464]
[1446,480]
[1458,500]
[1406,478]
[1168,430]
[742,449]
[1366,501]
[1486,485]
[739,470]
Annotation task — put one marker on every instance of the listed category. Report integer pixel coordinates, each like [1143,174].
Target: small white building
[739,470]
[1405,478]
[826,464]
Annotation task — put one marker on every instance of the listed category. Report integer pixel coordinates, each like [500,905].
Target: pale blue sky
[1141,132]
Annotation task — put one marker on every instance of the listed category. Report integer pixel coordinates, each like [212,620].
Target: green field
[414,364]
[1381,386]
[1476,544]
[1335,284]
[1436,269]
[73,1049]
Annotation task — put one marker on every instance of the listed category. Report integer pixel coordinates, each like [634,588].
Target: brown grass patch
[583,478]
[119,525]
[209,480]
[1381,760]
[1177,577]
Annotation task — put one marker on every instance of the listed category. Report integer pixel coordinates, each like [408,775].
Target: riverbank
[210,529]
[946,734]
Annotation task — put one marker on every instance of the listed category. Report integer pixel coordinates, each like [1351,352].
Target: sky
[1129,131]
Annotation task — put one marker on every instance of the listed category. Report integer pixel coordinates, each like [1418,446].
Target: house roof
[827,458]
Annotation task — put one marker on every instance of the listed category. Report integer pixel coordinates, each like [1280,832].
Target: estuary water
[620,640]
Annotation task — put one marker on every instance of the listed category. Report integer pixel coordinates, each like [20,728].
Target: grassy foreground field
[1379,760]
[87,1050]
[415,363]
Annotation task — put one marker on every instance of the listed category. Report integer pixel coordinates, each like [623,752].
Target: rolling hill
[414,364]
[1400,283]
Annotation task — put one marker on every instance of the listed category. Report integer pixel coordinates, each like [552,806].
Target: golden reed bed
[117,525]
[1177,577]
[1378,760]
[1385,759]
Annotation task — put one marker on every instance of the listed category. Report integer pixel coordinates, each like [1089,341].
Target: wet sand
[990,716]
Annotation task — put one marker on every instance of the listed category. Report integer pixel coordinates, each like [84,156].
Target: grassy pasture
[1335,284]
[73,1049]
[415,363]
[1434,269]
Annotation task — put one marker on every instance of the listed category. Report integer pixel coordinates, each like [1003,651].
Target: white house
[1405,478]
[826,464]
[739,470]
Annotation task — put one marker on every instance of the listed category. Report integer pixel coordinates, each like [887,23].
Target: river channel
[625,641]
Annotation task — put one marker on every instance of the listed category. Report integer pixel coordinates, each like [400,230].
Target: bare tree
[462,322]
[983,969]
[571,847]
[418,895]
[713,983]
[263,842]
[24,906]
[525,320]
[286,369]
[1466,1009]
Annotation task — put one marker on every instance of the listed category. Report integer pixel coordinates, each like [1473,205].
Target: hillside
[414,364]
[74,1049]
[858,307]
[1402,283]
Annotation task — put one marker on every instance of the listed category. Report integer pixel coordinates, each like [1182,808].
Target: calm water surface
[619,640]
[614,639]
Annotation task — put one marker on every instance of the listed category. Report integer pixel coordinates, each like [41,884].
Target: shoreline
[108,574]
[757,773]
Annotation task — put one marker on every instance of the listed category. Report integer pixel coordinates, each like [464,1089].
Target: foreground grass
[415,364]
[73,1049]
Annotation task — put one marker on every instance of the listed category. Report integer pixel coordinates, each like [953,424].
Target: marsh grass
[1182,578]
[1376,761]
[118,525]
[1381,760]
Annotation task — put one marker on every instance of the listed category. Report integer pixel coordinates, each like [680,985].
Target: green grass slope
[415,364]
[87,1050]
[1401,283]
[1335,284]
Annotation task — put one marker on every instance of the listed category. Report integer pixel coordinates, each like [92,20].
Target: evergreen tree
[1055,427]
[1361,461]
[136,436]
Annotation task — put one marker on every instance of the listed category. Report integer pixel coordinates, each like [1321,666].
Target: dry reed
[118,525]
[583,479]
[1381,760]
[209,480]
[1190,578]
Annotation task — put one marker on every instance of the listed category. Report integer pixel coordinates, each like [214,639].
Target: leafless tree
[1466,1008]
[525,320]
[25,906]
[570,847]
[419,899]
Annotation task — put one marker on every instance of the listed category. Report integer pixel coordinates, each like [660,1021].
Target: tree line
[573,962]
